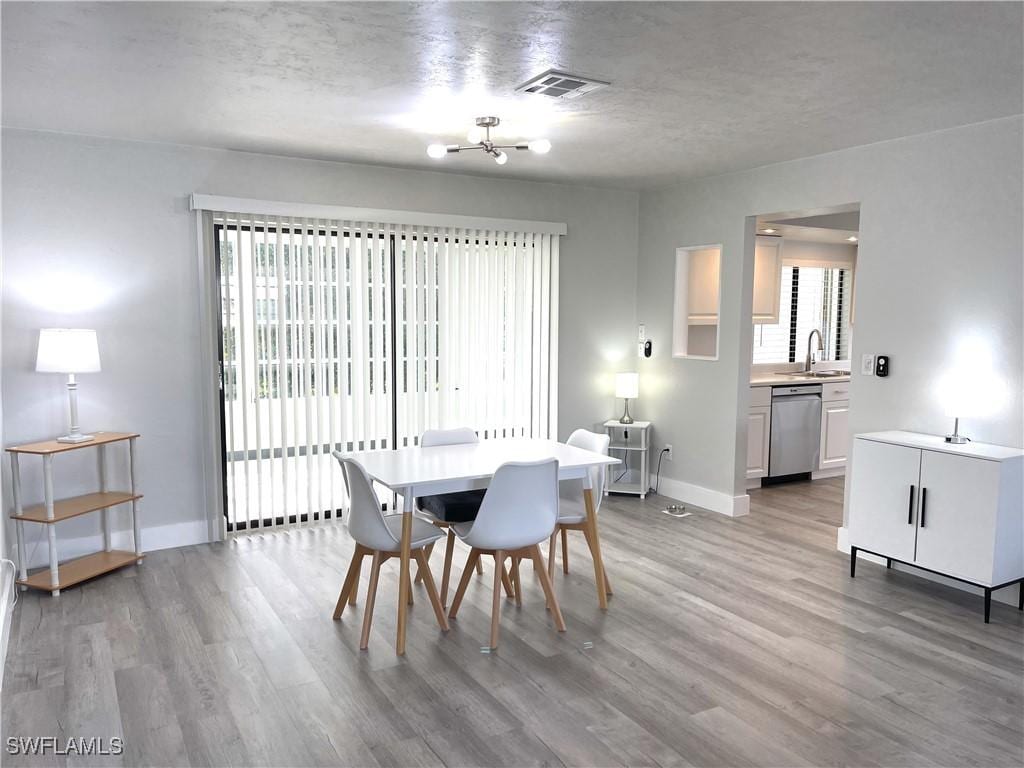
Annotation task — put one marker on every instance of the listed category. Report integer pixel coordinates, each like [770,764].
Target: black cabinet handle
[910,507]
[924,496]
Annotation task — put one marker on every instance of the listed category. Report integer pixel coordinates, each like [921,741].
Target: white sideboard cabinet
[955,510]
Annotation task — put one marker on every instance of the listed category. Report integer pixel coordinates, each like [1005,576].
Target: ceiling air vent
[561,85]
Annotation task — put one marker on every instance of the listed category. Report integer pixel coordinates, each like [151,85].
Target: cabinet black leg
[988,603]
[888,562]
[853,562]
[1020,595]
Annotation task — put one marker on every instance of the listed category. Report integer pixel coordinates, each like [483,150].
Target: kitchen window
[810,297]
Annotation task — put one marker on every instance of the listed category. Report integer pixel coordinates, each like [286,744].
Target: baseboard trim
[156,537]
[705,498]
[821,474]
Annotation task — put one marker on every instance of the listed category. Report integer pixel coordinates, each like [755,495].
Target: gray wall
[940,257]
[97,234]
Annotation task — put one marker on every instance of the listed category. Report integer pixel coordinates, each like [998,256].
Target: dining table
[415,471]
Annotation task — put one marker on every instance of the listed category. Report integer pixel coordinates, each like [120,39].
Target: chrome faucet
[810,356]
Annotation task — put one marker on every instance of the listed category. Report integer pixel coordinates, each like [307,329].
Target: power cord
[657,475]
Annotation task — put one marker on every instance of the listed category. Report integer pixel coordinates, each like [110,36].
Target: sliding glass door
[349,336]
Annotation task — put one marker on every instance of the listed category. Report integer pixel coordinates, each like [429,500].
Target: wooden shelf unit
[61,575]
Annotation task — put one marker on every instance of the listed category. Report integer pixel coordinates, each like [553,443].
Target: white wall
[97,234]
[940,257]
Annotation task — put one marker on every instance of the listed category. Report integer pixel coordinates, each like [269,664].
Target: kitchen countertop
[779,379]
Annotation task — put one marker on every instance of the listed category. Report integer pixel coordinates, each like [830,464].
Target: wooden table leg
[403,576]
[599,577]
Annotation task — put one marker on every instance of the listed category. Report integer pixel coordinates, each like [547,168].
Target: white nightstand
[631,443]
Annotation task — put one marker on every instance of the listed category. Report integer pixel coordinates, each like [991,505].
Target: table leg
[403,576]
[599,577]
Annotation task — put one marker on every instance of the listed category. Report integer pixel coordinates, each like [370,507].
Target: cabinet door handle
[910,507]
[924,496]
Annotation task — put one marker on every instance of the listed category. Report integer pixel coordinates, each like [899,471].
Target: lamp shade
[67,350]
[627,385]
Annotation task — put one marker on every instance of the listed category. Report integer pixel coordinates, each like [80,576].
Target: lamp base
[75,438]
[956,438]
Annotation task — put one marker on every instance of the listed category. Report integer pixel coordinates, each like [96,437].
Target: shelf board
[75,506]
[48,447]
[82,569]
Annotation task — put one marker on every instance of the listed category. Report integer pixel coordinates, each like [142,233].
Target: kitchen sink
[815,374]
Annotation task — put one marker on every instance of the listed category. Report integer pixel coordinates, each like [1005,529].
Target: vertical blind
[355,335]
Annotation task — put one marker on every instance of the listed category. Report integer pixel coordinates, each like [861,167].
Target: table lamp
[627,385]
[971,388]
[70,351]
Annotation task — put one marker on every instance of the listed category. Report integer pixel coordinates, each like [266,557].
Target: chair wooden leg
[499,576]
[428,582]
[506,582]
[371,596]
[410,600]
[354,592]
[419,569]
[516,581]
[467,573]
[446,575]
[549,592]
[351,580]
[565,552]
[551,552]
[479,567]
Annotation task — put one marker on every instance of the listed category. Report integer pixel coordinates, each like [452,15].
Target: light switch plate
[867,365]
[642,336]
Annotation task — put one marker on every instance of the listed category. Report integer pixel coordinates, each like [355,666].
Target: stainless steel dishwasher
[796,430]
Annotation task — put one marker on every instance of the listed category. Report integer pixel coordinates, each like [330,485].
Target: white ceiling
[697,88]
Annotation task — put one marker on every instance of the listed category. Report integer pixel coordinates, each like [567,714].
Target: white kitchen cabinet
[834,434]
[955,510]
[759,432]
[767,279]
[703,286]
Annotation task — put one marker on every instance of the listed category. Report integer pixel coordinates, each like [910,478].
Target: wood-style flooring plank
[728,642]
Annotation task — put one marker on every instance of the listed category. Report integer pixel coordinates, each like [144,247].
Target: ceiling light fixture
[851,239]
[769,231]
[480,138]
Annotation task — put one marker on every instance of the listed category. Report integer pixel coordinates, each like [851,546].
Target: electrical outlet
[642,333]
[668,447]
[867,365]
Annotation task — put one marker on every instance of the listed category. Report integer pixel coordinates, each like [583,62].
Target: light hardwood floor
[729,642]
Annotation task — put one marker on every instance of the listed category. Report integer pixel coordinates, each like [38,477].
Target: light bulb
[475,135]
[437,150]
[851,239]
[501,158]
[540,146]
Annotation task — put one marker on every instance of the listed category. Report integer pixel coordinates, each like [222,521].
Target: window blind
[352,335]
[811,297]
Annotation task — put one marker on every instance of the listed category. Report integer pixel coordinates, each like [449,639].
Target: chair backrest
[434,437]
[520,507]
[365,518]
[588,441]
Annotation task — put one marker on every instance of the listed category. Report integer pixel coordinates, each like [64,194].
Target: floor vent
[561,85]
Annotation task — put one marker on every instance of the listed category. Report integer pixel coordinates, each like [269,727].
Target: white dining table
[415,471]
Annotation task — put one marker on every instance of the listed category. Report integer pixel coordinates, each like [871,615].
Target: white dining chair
[443,509]
[518,512]
[572,510]
[379,536]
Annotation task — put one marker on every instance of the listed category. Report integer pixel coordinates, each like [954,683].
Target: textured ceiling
[697,88]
